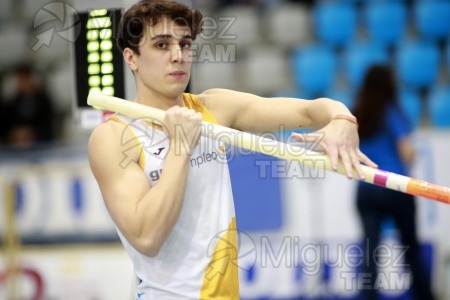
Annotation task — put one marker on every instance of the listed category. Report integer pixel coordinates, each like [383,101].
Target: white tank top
[199,258]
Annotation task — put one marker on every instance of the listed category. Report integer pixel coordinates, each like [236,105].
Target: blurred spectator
[28,116]
[385,138]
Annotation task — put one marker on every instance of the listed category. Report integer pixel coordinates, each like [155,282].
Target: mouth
[177,73]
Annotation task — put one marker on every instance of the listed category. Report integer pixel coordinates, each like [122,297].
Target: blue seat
[411,104]
[314,69]
[439,106]
[386,21]
[358,57]
[417,63]
[432,18]
[335,22]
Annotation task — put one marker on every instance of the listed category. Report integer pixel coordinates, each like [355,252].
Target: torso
[182,269]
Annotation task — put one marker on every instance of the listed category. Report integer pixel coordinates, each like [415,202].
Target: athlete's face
[164,63]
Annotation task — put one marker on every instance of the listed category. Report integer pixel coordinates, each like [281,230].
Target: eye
[185,45]
[161,45]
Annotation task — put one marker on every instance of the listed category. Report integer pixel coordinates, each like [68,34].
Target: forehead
[178,28]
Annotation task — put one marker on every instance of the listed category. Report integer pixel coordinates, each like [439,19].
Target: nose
[176,54]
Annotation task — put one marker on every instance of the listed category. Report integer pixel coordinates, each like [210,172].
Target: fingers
[180,115]
[357,165]
[346,152]
[333,150]
[355,159]
[313,139]
[182,125]
[333,153]
[299,137]
[305,138]
[352,159]
[346,161]
[365,160]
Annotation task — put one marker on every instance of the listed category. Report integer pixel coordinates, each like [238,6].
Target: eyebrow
[168,36]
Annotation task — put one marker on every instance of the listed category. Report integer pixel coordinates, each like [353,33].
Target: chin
[180,88]
[175,92]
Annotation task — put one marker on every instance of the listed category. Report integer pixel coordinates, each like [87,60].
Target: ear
[130,58]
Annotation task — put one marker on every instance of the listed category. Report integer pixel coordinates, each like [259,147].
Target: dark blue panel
[19,198]
[256,192]
[77,196]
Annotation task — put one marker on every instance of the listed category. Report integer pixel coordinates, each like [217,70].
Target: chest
[205,160]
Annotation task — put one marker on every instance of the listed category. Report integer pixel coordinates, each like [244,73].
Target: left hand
[340,140]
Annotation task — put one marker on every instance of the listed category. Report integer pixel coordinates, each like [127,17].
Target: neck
[158,100]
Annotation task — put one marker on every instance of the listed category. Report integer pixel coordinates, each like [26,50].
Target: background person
[28,117]
[385,136]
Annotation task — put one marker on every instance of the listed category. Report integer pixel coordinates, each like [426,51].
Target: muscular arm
[249,112]
[144,215]
[252,113]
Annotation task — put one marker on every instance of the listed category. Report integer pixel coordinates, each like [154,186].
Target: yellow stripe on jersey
[141,160]
[192,101]
[221,281]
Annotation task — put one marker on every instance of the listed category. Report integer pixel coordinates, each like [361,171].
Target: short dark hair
[149,12]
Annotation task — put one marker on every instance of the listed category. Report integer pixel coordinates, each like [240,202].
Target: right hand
[183,127]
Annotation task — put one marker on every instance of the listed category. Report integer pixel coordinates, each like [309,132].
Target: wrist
[347,117]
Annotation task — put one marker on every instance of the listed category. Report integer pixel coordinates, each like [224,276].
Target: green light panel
[98,63]
[99,47]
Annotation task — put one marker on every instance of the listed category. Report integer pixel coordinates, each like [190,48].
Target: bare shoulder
[216,91]
[224,104]
[105,133]
[217,94]
[106,144]
[228,96]
[212,96]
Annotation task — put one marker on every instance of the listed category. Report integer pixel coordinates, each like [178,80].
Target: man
[27,119]
[176,217]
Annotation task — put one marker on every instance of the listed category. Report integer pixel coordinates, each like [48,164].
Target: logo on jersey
[206,157]
[158,152]
[155,175]
[203,159]
[144,135]
[152,140]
